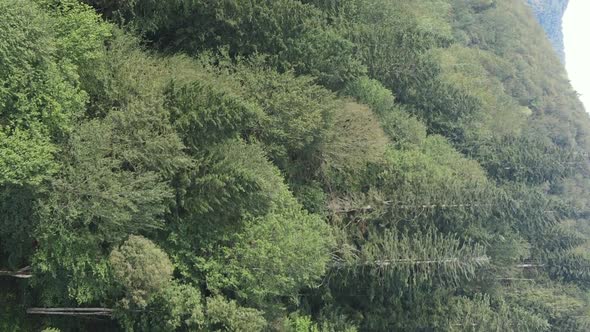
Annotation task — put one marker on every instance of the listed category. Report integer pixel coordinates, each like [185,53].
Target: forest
[291,166]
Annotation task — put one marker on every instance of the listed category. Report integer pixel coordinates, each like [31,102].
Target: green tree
[141,268]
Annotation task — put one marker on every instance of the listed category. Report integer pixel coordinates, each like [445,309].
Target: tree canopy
[289,165]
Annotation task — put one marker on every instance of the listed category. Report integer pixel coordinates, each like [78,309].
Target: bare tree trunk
[23,273]
[71,311]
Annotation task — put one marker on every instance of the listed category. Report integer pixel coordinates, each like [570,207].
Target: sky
[576,30]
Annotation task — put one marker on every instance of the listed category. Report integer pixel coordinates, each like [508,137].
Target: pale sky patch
[576,30]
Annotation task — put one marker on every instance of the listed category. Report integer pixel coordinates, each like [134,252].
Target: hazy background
[576,30]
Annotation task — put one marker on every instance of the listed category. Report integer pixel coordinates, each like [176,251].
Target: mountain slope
[287,165]
[550,13]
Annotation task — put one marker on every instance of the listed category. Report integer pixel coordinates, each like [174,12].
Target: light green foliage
[355,140]
[479,314]
[124,193]
[402,129]
[141,268]
[306,324]
[254,239]
[426,176]
[564,307]
[372,93]
[305,165]
[178,306]
[40,102]
[416,258]
[527,158]
[25,158]
[80,31]
[273,247]
[477,72]
[69,266]
[391,39]
[39,86]
[510,32]
[302,324]
[185,305]
[278,254]
[125,75]
[297,323]
[39,94]
[108,188]
[224,315]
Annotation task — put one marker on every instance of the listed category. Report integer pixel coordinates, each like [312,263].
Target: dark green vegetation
[549,13]
[287,165]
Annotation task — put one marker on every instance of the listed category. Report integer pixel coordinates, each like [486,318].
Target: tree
[141,268]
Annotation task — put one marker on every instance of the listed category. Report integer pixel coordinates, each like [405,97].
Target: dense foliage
[289,165]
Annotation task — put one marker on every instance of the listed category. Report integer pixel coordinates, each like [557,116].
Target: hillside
[289,165]
[549,13]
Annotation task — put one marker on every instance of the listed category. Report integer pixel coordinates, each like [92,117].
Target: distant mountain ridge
[549,13]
